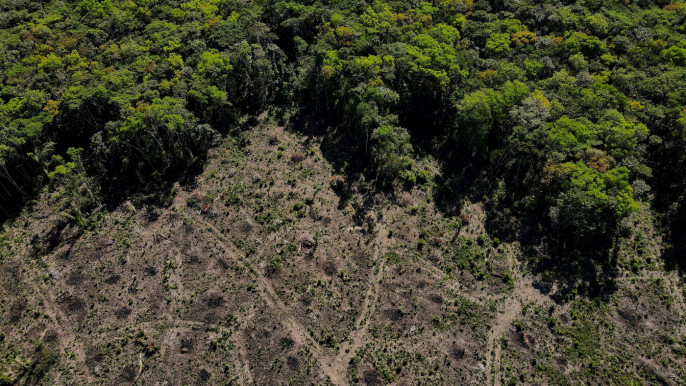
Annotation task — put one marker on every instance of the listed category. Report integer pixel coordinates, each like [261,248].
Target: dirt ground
[272,269]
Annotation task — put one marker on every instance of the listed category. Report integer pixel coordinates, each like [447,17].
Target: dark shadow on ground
[674,254]
[61,233]
[567,272]
[158,192]
[566,266]
[16,189]
[340,150]
[13,201]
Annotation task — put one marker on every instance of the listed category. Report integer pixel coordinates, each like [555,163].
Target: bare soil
[262,272]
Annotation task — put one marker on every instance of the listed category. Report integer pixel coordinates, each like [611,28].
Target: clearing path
[503,322]
[524,293]
[335,368]
[300,334]
[350,346]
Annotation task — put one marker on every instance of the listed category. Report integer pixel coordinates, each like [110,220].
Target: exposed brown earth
[261,272]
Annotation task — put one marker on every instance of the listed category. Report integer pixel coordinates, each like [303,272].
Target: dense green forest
[573,112]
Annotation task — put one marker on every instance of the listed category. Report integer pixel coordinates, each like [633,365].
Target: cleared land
[271,269]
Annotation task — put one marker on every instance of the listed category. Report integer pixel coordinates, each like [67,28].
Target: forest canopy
[577,107]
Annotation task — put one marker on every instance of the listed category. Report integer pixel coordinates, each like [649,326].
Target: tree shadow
[567,272]
[13,201]
[457,181]
[565,266]
[674,254]
[341,151]
[16,187]
[159,191]
[60,233]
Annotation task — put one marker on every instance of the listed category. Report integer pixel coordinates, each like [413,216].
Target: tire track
[371,299]
[180,324]
[502,324]
[300,334]
[333,367]
[523,293]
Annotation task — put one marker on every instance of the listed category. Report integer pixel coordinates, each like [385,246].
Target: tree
[590,202]
[498,44]
[391,150]
[676,53]
[74,189]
